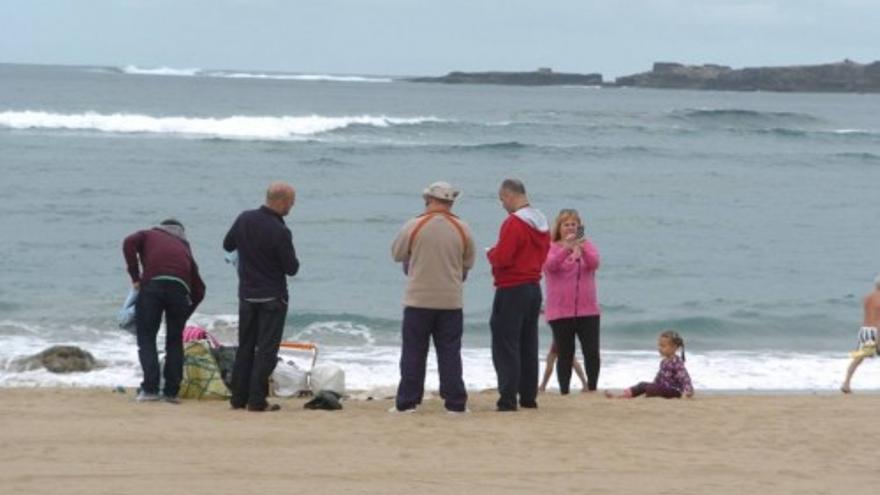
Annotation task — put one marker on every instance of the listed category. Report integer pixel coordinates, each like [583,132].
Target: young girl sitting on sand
[672,381]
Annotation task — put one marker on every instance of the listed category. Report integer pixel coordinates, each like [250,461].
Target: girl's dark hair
[676,339]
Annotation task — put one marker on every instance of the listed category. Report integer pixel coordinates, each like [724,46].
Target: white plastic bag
[125,317]
[232,258]
[289,380]
[328,377]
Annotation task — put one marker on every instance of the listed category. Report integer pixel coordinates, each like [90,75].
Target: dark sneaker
[265,408]
[171,400]
[529,405]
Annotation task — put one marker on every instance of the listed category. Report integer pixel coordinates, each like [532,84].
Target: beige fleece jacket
[438,262]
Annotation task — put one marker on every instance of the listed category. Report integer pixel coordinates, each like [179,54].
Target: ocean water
[744,220]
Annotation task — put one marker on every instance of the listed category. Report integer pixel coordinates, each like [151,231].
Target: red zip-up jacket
[522,246]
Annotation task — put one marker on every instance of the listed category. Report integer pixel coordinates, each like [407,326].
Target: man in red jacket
[162,268]
[517,260]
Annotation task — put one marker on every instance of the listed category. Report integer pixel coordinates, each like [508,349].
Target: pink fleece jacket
[570,283]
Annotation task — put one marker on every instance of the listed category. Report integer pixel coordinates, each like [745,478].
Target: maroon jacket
[161,253]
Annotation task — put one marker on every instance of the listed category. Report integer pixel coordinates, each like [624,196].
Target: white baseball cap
[441,190]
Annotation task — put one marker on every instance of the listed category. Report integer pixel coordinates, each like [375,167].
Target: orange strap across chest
[427,217]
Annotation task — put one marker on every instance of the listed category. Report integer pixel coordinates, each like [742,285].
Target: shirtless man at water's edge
[867,334]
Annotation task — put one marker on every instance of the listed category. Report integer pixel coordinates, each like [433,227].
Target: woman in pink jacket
[571,305]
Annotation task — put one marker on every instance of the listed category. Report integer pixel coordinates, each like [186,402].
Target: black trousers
[654,390]
[586,328]
[420,325]
[514,325]
[260,328]
[158,297]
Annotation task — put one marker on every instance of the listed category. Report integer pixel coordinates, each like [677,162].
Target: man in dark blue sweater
[266,256]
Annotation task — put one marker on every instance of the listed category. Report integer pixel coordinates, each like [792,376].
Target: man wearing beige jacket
[437,250]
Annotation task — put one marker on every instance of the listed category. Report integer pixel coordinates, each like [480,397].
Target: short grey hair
[877,281]
[171,221]
[279,190]
[515,186]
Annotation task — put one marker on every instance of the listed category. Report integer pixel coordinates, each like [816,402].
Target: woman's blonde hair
[566,214]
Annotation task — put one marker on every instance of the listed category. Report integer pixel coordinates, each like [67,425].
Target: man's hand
[136,285]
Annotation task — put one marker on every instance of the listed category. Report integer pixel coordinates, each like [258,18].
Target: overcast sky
[393,37]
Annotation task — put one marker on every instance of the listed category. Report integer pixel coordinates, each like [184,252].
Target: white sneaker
[458,413]
[395,410]
[145,397]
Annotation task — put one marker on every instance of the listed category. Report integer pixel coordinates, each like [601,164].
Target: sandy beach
[93,441]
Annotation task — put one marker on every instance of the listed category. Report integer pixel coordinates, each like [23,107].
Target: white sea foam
[301,77]
[191,72]
[9,327]
[856,132]
[369,366]
[116,354]
[327,330]
[158,71]
[234,127]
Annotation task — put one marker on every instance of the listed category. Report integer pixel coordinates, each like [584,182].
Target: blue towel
[125,316]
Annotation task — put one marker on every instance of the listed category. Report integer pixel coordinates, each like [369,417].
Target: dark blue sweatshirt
[265,254]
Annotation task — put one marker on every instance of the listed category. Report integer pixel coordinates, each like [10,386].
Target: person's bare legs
[548,370]
[845,388]
[579,371]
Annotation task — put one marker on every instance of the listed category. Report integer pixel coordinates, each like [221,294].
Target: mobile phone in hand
[580,232]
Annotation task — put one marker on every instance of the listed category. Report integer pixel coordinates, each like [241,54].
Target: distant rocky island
[841,77]
[540,77]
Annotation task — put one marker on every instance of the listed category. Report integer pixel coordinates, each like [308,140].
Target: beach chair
[289,379]
[292,347]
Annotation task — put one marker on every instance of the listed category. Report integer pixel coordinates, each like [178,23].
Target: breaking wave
[778,124]
[300,77]
[234,127]
[727,115]
[867,157]
[158,71]
[169,71]
[851,134]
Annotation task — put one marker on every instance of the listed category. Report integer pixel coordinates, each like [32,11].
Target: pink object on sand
[195,332]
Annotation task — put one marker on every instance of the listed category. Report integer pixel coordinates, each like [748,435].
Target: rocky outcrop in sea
[540,77]
[58,359]
[842,77]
